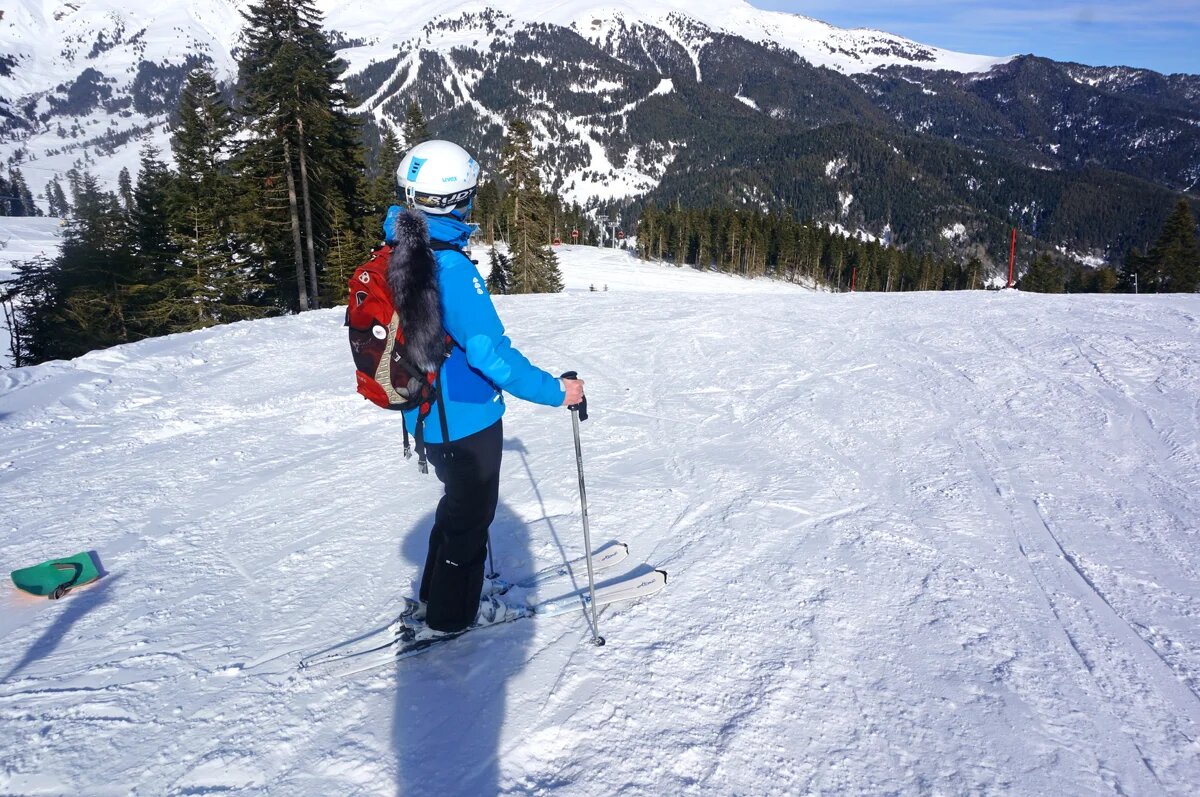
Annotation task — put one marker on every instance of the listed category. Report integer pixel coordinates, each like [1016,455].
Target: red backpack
[385,375]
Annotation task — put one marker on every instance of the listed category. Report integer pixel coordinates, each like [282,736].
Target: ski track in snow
[923,543]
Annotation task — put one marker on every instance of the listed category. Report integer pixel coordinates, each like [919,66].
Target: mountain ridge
[647,103]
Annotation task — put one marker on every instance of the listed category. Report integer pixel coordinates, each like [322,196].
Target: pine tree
[20,201]
[383,186]
[488,210]
[1135,273]
[303,157]
[647,230]
[416,131]
[26,298]
[500,277]
[6,191]
[974,272]
[75,186]
[78,301]
[1106,280]
[534,264]
[1042,277]
[151,233]
[1175,256]
[209,281]
[125,189]
[56,200]
[348,248]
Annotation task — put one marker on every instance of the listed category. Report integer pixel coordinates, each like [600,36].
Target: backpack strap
[423,411]
[442,410]
[445,246]
[422,462]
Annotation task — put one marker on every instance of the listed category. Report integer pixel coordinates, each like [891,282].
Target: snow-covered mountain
[918,544]
[607,23]
[120,69]
[696,102]
[89,80]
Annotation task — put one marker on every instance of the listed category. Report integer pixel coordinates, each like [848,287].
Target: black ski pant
[453,577]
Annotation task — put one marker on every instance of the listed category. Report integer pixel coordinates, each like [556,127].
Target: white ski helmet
[437,177]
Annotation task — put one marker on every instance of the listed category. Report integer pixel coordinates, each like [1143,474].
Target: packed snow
[858,234]
[835,167]
[747,102]
[955,232]
[940,543]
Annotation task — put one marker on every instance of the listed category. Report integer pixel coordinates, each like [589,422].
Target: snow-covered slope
[920,543]
[23,238]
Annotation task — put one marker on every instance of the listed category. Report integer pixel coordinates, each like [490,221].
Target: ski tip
[624,545]
[664,575]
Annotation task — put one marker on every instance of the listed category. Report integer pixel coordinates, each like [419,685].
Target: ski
[372,640]
[603,558]
[629,588]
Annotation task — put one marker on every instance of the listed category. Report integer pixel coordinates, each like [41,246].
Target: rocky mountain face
[669,102]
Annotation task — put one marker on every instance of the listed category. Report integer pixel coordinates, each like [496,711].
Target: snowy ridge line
[847,50]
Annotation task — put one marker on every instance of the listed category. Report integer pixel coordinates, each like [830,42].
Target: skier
[437,182]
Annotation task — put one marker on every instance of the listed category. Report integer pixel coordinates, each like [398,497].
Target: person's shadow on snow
[450,702]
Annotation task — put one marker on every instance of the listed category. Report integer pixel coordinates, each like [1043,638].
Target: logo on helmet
[414,168]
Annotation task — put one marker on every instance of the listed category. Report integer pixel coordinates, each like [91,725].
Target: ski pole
[491,571]
[579,413]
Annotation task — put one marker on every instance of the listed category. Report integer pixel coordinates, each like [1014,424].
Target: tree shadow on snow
[450,702]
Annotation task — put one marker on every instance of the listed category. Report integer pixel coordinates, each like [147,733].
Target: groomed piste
[923,543]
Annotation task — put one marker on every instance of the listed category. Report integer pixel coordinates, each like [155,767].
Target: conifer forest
[273,192]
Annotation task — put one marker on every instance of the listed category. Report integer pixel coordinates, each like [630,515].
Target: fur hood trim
[412,276]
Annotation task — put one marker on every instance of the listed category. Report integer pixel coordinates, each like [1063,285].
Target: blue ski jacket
[483,362]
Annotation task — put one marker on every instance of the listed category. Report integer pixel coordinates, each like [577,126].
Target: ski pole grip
[581,407]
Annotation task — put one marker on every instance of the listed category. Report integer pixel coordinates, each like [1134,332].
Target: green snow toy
[57,577]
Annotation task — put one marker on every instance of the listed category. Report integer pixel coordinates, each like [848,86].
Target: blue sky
[1162,35]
